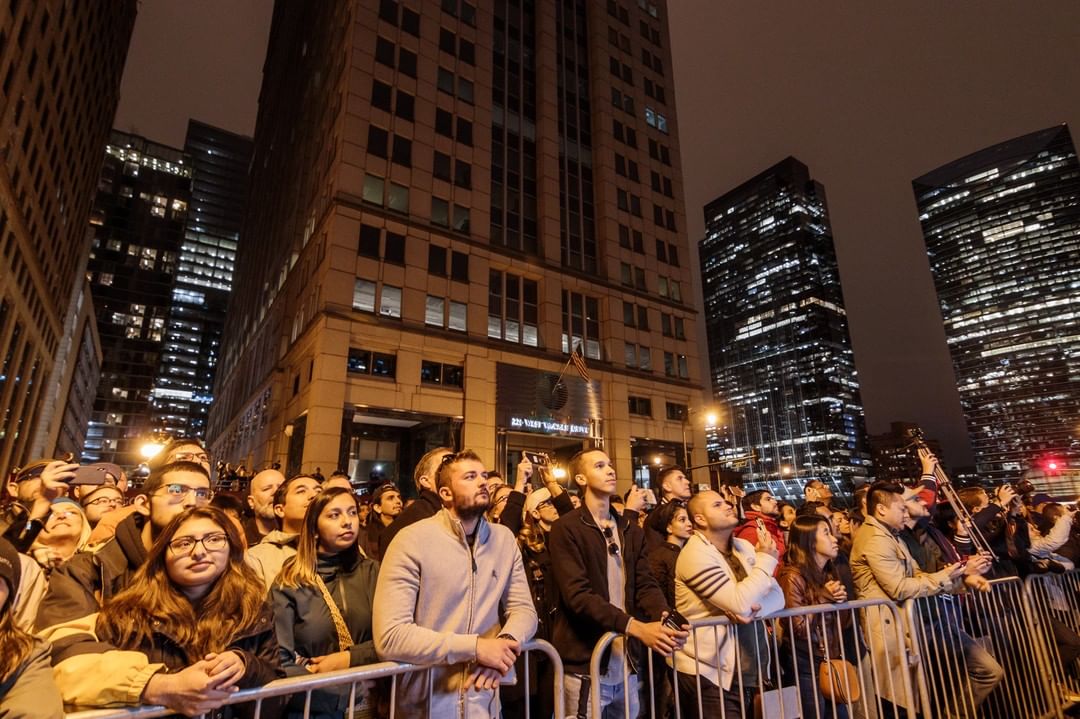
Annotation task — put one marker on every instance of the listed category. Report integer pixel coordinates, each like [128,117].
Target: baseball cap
[377,495]
[536,498]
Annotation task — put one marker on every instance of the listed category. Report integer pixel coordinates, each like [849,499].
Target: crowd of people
[167,594]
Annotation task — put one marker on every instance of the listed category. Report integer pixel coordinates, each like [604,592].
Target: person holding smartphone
[762,511]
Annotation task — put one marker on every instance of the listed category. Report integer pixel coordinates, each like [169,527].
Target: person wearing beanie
[26,682]
[66,532]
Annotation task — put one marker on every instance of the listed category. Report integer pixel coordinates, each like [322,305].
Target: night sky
[868,95]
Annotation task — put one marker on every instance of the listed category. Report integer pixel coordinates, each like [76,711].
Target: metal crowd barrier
[350,678]
[1053,605]
[775,674]
[977,655]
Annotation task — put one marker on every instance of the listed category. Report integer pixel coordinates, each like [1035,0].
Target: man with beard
[261,501]
[444,583]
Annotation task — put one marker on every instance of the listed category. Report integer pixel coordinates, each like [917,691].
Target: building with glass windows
[61,64]
[183,388]
[137,223]
[1002,230]
[783,371]
[448,199]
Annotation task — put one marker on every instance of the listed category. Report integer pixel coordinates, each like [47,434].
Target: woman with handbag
[322,604]
[824,647]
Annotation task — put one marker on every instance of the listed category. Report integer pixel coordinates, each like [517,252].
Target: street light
[153,446]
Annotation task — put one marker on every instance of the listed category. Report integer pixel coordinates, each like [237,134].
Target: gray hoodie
[436,596]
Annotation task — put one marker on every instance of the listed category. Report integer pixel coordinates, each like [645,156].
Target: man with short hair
[79,587]
[338,478]
[385,508]
[817,491]
[99,501]
[260,500]
[33,488]
[605,585]
[762,506]
[673,485]
[444,583]
[883,568]
[427,504]
[719,574]
[290,504]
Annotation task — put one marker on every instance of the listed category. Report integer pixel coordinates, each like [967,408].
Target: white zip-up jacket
[705,587]
[436,597]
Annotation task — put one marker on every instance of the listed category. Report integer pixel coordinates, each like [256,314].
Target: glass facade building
[183,388]
[1002,230]
[782,365]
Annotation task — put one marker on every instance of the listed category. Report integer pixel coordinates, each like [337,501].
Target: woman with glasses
[322,602]
[197,615]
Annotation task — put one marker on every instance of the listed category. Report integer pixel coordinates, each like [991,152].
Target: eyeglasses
[211,543]
[190,457]
[102,501]
[176,491]
[612,546]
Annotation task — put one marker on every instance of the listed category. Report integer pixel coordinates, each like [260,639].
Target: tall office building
[183,388]
[60,69]
[138,225]
[894,456]
[782,366]
[1002,229]
[447,200]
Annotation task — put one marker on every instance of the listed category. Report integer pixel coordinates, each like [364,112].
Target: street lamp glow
[785,470]
[711,419]
[559,473]
[150,449]
[656,460]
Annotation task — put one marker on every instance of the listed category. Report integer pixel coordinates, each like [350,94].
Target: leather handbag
[839,681]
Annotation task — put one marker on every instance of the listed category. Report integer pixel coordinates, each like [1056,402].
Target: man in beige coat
[883,568]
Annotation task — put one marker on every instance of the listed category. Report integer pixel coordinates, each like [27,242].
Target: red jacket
[748,530]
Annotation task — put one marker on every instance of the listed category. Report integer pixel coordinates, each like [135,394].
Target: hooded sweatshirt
[268,556]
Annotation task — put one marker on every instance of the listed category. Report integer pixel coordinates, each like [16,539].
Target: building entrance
[560,449]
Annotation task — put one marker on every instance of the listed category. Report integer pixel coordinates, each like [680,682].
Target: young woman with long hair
[196,610]
[671,522]
[322,601]
[26,682]
[809,577]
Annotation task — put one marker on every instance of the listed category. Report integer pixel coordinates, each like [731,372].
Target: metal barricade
[977,655]
[775,669]
[1053,605]
[351,678]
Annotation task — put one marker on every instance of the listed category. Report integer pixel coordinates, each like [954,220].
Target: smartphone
[650,498]
[537,458]
[675,621]
[761,526]
[92,474]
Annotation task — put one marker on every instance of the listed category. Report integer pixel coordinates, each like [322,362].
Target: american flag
[579,363]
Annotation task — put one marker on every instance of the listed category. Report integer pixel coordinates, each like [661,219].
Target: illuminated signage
[547,426]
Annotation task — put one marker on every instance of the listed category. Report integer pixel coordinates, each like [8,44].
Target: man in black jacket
[604,585]
[427,503]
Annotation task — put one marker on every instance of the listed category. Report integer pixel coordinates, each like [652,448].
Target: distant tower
[1002,229]
[781,358]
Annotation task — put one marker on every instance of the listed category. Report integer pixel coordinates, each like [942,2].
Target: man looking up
[290,503]
[604,586]
[719,574]
[762,506]
[261,501]
[883,568]
[674,485]
[385,508]
[33,489]
[426,612]
[427,503]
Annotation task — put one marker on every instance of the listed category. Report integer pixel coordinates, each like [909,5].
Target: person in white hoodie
[444,583]
[717,575]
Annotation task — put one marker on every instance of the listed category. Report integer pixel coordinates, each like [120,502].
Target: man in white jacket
[721,575]
[443,585]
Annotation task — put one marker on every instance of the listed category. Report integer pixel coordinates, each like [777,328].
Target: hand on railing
[498,653]
[977,582]
[191,691]
[484,678]
[329,662]
[657,636]
[226,669]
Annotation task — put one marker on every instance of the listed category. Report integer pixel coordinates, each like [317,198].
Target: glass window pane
[373,189]
[458,316]
[391,301]
[433,312]
[398,199]
[364,296]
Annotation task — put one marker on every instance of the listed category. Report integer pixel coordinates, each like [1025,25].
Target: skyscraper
[1002,229]
[447,200]
[60,69]
[137,225]
[894,456]
[781,358]
[183,387]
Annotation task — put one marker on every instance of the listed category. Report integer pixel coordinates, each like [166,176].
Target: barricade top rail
[299,685]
